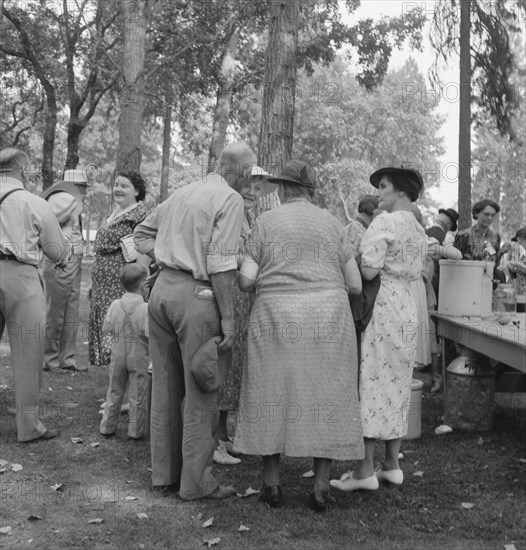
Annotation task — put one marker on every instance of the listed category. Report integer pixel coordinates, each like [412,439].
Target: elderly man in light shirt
[62,284]
[193,236]
[28,231]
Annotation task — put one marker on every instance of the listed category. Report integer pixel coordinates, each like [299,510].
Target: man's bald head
[14,163]
[235,163]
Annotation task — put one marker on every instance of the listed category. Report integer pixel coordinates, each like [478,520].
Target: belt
[8,257]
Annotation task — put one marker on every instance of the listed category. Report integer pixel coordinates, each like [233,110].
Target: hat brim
[375,177]
[454,222]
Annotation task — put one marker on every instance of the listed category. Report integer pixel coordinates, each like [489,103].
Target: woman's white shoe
[221,456]
[350,483]
[396,477]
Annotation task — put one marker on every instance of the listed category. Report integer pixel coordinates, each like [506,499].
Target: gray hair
[292,191]
[13,160]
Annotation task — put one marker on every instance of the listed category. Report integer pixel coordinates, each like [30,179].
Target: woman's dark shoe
[320,500]
[271,495]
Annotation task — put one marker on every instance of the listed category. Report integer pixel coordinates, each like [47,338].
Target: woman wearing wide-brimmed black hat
[394,245]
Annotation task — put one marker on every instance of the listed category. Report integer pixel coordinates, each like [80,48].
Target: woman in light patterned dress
[394,245]
[299,386]
[129,192]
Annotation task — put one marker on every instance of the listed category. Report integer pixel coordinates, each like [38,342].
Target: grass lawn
[111,482]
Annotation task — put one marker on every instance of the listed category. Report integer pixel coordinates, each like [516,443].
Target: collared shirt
[478,244]
[68,210]
[28,227]
[196,229]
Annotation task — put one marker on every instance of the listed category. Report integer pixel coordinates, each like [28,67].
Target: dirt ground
[464,490]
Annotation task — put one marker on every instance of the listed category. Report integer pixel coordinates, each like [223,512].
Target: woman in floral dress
[394,245]
[128,193]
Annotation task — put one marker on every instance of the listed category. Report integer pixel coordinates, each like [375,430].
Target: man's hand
[229,334]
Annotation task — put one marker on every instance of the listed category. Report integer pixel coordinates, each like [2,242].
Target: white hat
[76,176]
[258,172]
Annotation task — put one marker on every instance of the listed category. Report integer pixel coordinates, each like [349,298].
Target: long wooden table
[503,343]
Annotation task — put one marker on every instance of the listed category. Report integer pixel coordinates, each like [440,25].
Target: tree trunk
[224,99]
[48,146]
[167,141]
[464,134]
[279,93]
[73,140]
[136,15]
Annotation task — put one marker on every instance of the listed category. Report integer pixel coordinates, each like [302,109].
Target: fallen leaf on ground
[6,530]
[96,520]
[90,426]
[523,460]
[243,528]
[209,522]
[16,467]
[129,481]
[443,429]
[142,515]
[211,542]
[5,463]
[57,487]
[76,440]
[467,505]
[248,493]
[130,497]
[34,517]
[69,387]
[50,389]
[95,444]
[419,473]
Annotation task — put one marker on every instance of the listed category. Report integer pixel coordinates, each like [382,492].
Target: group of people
[303,326]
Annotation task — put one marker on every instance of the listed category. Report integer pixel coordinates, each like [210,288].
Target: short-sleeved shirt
[197,229]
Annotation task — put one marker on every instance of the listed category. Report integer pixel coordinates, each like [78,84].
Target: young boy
[127,321]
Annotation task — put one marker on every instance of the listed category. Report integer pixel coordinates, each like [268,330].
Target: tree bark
[48,146]
[167,141]
[136,15]
[224,99]
[464,133]
[279,92]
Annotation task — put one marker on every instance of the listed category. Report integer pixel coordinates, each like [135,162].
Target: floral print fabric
[395,243]
[105,283]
